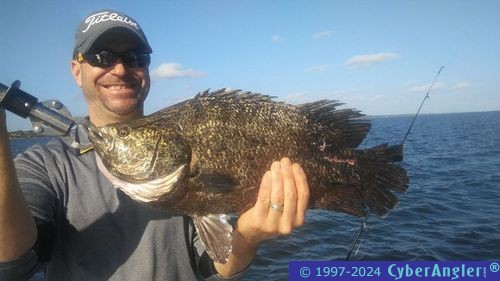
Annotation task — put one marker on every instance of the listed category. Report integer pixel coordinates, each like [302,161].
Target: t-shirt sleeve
[31,168]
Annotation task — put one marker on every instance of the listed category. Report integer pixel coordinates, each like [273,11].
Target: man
[58,211]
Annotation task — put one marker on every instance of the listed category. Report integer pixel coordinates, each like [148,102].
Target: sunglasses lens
[136,60]
[106,59]
[101,59]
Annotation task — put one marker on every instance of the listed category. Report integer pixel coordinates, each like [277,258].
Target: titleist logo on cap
[107,16]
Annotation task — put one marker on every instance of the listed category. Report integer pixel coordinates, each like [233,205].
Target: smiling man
[59,214]
[114,91]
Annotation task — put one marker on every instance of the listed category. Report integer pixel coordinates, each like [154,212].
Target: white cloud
[371,98]
[317,68]
[297,97]
[370,59]
[354,97]
[461,85]
[276,39]
[174,70]
[322,34]
[425,88]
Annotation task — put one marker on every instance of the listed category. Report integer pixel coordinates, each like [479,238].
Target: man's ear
[76,70]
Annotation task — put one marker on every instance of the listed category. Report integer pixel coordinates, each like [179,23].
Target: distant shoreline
[20,134]
[427,114]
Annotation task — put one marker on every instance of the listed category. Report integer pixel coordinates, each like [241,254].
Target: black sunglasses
[106,59]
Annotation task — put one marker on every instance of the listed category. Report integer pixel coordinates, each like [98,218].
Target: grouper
[204,157]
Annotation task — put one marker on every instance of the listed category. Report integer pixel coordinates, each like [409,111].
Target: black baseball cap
[104,21]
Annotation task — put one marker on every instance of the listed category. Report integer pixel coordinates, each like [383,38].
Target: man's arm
[17,226]
[284,185]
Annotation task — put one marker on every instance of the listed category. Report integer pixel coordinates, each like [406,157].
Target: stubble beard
[124,107]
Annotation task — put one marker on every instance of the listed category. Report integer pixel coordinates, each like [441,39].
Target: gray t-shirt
[89,230]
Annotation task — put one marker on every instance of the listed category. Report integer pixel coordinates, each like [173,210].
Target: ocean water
[451,210]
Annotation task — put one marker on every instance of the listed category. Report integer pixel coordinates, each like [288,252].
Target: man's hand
[281,207]
[281,204]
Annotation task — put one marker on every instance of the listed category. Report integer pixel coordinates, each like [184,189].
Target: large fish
[205,156]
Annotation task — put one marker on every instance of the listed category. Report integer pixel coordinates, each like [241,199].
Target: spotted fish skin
[230,138]
[221,143]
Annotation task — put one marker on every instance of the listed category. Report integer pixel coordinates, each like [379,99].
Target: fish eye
[123,132]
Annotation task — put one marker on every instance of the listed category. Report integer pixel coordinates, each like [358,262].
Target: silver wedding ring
[277,207]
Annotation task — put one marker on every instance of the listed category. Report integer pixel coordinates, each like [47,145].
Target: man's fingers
[290,197]
[303,194]
[263,198]
[277,202]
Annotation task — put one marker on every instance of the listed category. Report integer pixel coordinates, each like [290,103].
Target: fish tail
[364,180]
[380,177]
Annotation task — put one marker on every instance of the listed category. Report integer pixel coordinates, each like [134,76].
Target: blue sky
[377,56]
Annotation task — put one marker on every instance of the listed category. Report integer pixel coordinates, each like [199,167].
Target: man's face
[115,93]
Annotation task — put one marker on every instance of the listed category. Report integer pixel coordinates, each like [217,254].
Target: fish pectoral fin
[215,233]
[215,183]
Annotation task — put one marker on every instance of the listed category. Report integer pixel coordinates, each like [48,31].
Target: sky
[379,57]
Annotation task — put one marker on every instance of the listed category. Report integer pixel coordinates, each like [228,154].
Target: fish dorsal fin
[234,94]
[215,233]
[344,127]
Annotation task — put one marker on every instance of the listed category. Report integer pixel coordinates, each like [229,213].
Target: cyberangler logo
[106,16]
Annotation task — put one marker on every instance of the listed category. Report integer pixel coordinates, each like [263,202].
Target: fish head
[138,153]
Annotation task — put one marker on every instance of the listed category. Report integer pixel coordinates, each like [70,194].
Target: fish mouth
[97,136]
[93,132]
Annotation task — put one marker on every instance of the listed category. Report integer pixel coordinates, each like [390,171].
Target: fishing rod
[356,244]
[422,104]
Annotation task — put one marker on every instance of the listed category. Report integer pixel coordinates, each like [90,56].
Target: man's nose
[119,69]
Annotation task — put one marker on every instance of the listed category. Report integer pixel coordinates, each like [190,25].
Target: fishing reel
[48,118]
